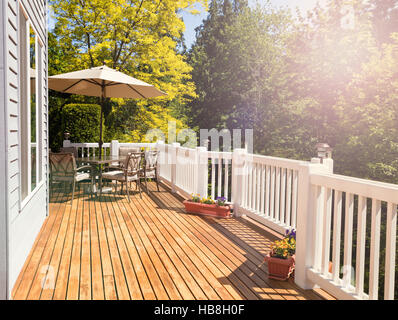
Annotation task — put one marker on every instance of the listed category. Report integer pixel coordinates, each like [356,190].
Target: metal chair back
[151,159]
[62,165]
[124,151]
[132,163]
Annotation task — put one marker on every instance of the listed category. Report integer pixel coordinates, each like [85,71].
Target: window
[30,57]
[33,107]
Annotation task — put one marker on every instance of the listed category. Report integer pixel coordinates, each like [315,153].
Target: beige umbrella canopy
[103,82]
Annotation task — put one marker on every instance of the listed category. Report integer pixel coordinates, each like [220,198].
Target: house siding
[3,160]
[22,222]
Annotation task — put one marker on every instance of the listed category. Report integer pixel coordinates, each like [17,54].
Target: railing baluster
[253,189]
[226,180]
[349,216]
[283,197]
[337,235]
[213,178]
[326,231]
[375,250]
[272,206]
[244,184]
[391,239]
[361,238]
[267,191]
[250,183]
[257,188]
[294,199]
[262,191]
[288,197]
[318,224]
[277,193]
[220,164]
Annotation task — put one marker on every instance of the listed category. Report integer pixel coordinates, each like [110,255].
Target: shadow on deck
[148,248]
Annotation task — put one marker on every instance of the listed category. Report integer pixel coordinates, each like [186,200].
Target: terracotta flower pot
[207,209]
[280,269]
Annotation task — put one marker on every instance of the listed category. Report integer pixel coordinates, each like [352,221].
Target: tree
[369,118]
[384,19]
[240,60]
[210,59]
[138,37]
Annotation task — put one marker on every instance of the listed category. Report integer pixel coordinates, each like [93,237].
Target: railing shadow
[255,244]
[244,249]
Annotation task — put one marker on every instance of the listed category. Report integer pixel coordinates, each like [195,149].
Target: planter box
[207,209]
[280,269]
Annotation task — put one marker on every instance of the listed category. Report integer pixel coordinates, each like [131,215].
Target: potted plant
[281,257]
[207,206]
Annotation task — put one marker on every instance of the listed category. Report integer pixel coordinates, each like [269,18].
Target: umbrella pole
[102,110]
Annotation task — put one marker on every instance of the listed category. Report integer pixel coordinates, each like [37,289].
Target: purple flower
[291,234]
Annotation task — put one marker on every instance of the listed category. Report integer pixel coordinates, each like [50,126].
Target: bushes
[82,121]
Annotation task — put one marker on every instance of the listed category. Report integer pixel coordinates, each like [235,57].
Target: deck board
[148,248]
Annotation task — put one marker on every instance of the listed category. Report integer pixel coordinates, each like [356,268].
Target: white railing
[270,191]
[165,169]
[338,248]
[341,206]
[220,172]
[86,150]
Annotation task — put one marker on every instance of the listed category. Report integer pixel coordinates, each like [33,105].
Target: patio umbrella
[103,82]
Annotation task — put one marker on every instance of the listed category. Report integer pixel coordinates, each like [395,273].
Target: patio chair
[151,167]
[123,152]
[63,169]
[130,171]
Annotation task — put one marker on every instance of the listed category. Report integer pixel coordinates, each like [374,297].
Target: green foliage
[241,71]
[384,19]
[140,38]
[297,82]
[82,121]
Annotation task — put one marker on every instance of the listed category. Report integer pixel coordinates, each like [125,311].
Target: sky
[193,21]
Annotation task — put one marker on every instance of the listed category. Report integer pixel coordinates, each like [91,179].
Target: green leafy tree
[138,37]
[384,19]
[78,116]
[210,59]
[240,62]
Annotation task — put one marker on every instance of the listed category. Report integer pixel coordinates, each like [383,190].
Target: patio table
[100,162]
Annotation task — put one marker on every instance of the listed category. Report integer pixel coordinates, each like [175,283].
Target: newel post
[175,147]
[309,216]
[304,228]
[66,144]
[202,169]
[160,147]
[114,148]
[238,164]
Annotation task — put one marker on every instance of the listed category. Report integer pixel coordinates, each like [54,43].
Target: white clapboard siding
[3,157]
[23,219]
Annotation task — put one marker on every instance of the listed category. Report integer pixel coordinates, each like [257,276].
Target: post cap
[324,150]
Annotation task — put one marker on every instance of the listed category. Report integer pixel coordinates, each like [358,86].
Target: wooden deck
[147,249]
